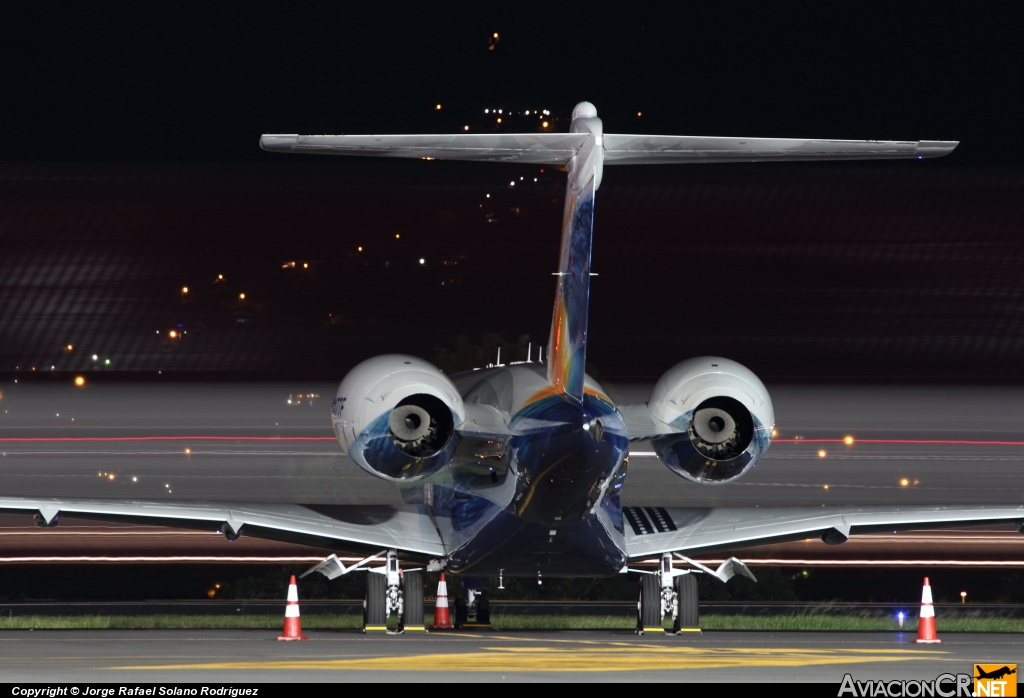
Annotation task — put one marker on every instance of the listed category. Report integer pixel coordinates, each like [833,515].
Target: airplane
[517,469]
[995,673]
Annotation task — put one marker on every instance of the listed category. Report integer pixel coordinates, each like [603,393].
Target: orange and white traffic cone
[926,621]
[442,619]
[292,624]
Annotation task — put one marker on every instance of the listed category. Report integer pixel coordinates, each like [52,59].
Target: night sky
[129,169]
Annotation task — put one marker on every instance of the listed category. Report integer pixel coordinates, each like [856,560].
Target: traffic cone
[292,624]
[442,620]
[926,621]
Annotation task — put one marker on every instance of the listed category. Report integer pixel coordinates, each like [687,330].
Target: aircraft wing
[656,530]
[402,528]
[627,149]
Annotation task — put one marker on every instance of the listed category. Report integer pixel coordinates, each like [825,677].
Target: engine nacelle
[722,416]
[396,415]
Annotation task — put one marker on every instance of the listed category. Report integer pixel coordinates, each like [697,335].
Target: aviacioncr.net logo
[943,686]
[995,680]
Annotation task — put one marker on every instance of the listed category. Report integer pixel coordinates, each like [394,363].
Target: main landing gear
[390,592]
[672,593]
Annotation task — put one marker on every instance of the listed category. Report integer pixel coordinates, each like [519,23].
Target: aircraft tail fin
[583,152]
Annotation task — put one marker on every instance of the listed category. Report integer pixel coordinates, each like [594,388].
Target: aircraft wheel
[648,604]
[375,605]
[688,613]
[412,589]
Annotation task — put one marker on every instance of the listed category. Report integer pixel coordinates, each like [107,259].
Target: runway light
[79,381]
[848,441]
[822,453]
[824,487]
[96,358]
[106,362]
[241,296]
[172,334]
[422,261]
[904,482]
[69,347]
[184,290]
[466,127]
[963,597]
[437,107]
[900,617]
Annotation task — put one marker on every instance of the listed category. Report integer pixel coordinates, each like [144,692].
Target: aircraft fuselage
[545,499]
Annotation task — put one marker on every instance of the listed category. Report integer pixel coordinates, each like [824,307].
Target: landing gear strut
[672,593]
[390,592]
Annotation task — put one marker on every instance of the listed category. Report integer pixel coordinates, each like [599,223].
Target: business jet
[518,469]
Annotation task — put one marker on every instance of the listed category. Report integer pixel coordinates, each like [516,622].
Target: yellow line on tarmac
[546,658]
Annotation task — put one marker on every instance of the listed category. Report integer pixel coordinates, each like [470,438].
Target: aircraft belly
[508,545]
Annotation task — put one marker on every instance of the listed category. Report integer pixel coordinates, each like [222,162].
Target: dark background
[129,168]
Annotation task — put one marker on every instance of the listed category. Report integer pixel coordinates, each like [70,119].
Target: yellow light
[822,453]
[639,113]
[848,441]
[825,487]
[111,476]
[188,451]
[69,347]
[466,127]
[305,265]
[359,249]
[241,296]
[79,381]
[775,433]
[184,290]
[437,107]
[172,334]
[220,277]
[397,236]
[904,482]
[544,124]
[499,119]
[495,35]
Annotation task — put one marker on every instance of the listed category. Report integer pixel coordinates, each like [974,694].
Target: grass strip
[806,622]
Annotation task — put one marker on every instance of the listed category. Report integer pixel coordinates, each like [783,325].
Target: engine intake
[720,416]
[396,417]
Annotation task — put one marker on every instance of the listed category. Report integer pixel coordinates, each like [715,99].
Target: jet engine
[396,416]
[720,415]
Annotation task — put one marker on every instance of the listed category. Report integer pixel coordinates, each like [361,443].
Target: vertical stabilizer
[567,346]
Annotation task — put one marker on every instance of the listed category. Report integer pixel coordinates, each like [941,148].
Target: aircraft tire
[375,612]
[648,604]
[687,595]
[412,589]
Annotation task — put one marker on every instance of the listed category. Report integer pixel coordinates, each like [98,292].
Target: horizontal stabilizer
[619,149]
[625,149]
[535,148]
